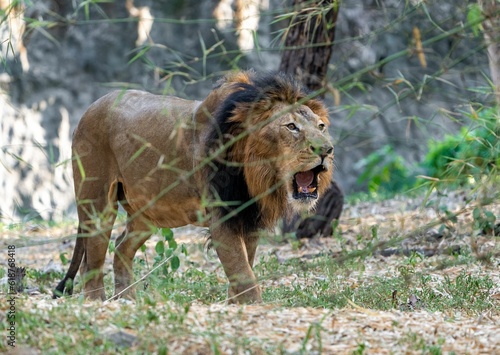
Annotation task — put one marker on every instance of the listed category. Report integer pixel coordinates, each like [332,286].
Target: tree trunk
[308,42]
[308,48]
[491,28]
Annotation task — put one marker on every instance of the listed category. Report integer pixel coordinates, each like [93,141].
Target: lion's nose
[322,150]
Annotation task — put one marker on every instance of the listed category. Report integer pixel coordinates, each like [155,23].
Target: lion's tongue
[304,179]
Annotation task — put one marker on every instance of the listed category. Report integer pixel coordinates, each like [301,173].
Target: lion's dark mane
[227,181]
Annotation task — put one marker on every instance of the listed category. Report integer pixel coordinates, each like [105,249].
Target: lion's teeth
[307,189]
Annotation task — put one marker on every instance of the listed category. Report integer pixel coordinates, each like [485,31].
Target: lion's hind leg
[136,233]
[96,214]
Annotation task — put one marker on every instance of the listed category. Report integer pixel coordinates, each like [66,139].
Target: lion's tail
[73,268]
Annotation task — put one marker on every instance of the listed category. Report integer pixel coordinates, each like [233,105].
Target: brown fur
[160,157]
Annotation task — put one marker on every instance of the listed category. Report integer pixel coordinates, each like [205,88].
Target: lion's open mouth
[305,184]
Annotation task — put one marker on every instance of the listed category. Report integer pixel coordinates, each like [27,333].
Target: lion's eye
[292,127]
[321,126]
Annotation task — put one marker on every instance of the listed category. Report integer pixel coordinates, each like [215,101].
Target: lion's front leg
[232,252]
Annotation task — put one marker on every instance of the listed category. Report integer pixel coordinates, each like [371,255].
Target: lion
[256,147]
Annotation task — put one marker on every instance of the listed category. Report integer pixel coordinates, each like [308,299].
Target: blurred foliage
[463,158]
[474,15]
[385,170]
[469,154]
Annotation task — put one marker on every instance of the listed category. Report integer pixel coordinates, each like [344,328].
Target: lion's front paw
[244,294]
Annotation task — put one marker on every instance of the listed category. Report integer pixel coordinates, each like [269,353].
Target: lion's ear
[235,77]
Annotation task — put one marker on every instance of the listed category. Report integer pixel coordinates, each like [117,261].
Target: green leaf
[160,247]
[490,217]
[167,233]
[64,259]
[476,214]
[175,263]
[172,244]
[143,248]
[169,237]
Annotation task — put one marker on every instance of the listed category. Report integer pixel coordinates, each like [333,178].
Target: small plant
[407,270]
[360,350]
[42,280]
[484,221]
[64,259]
[385,170]
[165,262]
[164,254]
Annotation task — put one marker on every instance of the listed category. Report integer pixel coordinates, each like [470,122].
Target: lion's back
[135,110]
[134,117]
[128,135]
